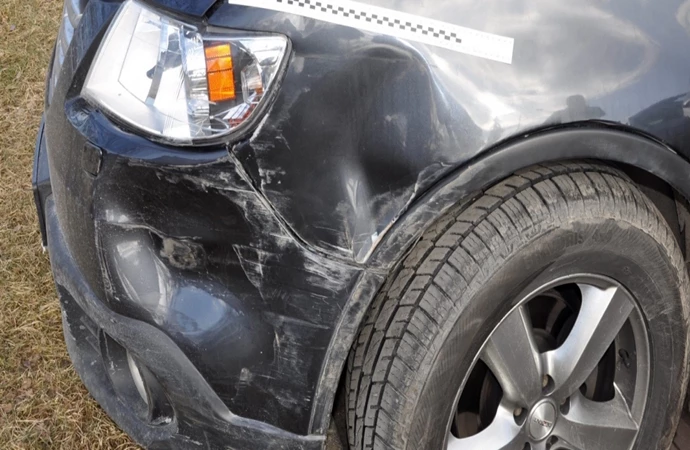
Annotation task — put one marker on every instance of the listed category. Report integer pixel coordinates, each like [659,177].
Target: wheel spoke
[602,315]
[502,434]
[512,356]
[590,424]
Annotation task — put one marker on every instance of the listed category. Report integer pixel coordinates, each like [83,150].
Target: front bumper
[201,419]
[176,258]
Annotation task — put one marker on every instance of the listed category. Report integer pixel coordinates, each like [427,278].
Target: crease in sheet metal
[395,23]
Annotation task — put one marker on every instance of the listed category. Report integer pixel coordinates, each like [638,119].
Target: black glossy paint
[195,8]
[246,269]
[390,118]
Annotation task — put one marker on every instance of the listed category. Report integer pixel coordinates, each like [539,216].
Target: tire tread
[407,314]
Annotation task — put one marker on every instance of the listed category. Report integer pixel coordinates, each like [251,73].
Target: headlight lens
[176,84]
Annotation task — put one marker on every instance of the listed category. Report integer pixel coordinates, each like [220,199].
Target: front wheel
[550,313]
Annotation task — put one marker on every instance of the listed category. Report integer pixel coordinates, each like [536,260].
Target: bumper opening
[134,384]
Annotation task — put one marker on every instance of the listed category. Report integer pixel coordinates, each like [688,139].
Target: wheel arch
[646,160]
[662,174]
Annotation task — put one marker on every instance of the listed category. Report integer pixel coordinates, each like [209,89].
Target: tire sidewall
[606,247]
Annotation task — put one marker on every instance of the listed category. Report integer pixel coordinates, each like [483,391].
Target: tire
[427,325]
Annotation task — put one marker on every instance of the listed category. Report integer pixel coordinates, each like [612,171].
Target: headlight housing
[178,84]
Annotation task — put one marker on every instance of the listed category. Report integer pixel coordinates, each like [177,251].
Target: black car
[429,224]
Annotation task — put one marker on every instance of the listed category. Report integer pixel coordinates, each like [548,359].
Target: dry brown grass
[43,404]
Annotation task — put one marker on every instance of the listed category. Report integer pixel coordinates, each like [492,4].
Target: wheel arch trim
[597,141]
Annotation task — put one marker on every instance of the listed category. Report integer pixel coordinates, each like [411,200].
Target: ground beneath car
[43,404]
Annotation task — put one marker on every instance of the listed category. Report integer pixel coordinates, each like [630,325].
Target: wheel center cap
[541,420]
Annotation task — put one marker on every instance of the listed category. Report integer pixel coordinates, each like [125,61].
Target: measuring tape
[395,23]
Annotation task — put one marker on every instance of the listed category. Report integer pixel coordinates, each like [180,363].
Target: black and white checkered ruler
[395,23]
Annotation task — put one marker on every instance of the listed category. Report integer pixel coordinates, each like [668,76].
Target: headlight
[177,84]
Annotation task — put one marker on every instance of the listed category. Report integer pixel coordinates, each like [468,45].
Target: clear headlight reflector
[167,79]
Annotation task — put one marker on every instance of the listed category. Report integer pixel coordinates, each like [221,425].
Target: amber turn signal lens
[218,64]
[216,51]
[221,78]
[221,86]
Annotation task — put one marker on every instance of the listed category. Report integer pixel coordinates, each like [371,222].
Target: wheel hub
[542,420]
[549,358]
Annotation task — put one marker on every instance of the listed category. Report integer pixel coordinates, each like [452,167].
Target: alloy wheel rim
[584,388]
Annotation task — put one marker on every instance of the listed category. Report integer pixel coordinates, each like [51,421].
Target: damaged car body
[254,208]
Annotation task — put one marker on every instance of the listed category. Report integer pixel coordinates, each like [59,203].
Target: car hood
[191,7]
